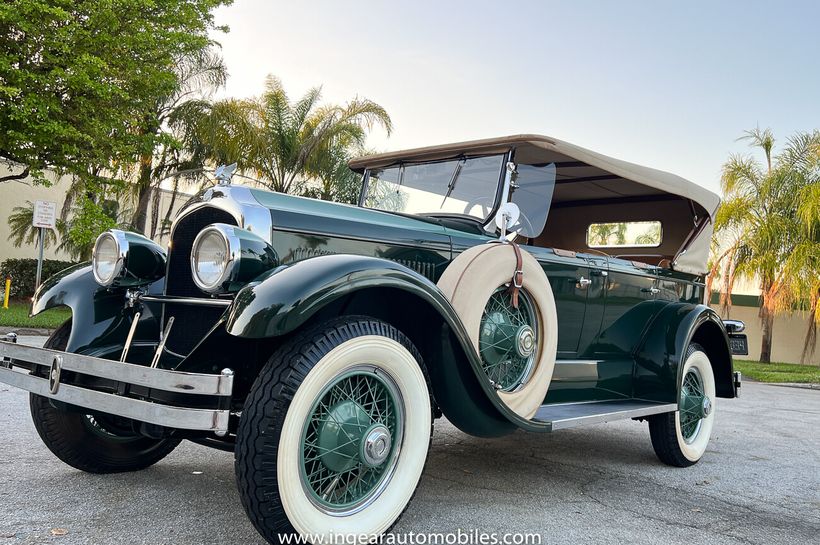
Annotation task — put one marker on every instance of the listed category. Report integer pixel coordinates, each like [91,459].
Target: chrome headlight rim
[121,243]
[229,263]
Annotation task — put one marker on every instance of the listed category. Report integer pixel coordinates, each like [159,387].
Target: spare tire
[517,346]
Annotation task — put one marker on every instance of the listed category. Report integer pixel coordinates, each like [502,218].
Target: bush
[23,273]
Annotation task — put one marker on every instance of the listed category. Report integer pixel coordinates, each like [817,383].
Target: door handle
[653,291]
[584,282]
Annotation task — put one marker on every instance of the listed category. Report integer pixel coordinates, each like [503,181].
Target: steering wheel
[486,204]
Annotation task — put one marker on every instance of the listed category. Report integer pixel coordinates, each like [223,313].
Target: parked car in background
[512,283]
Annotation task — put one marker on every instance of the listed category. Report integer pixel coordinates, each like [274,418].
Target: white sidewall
[469,282]
[694,450]
[394,359]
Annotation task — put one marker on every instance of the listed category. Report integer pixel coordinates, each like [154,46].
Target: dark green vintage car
[510,283]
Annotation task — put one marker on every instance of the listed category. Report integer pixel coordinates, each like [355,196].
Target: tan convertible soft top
[583,175]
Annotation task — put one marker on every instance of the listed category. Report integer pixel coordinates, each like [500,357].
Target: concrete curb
[803,385]
[29,331]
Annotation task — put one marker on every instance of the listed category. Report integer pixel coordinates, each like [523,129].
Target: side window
[625,234]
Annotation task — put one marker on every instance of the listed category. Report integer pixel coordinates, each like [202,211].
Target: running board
[569,415]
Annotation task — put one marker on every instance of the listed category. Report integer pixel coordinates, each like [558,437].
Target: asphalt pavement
[759,482]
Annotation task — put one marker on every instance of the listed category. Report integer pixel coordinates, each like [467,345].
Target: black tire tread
[264,413]
[663,432]
[64,434]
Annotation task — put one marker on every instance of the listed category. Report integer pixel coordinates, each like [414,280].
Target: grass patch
[778,372]
[17,316]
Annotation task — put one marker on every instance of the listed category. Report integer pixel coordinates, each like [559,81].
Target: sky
[670,85]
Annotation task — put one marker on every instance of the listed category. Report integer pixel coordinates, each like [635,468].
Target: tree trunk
[810,342]
[767,323]
[143,193]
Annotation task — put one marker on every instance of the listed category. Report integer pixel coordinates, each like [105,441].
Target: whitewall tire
[680,438]
[348,425]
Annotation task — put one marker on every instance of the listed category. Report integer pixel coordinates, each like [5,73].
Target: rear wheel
[93,443]
[680,438]
[334,435]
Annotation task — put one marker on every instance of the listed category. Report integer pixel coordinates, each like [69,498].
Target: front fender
[99,320]
[287,297]
[284,299]
[659,357]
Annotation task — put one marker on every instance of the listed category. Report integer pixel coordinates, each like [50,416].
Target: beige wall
[16,193]
[788,335]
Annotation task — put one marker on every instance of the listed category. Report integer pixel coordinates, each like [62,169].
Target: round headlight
[210,257]
[108,256]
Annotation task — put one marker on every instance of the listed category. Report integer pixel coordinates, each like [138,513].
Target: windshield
[466,186]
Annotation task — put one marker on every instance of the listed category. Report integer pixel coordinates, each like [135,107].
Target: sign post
[45,217]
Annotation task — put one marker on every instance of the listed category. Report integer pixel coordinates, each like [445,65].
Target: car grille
[190,323]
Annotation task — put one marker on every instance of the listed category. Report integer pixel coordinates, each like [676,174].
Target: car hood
[312,216]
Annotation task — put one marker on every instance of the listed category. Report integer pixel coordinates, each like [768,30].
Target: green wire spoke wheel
[695,405]
[351,440]
[508,340]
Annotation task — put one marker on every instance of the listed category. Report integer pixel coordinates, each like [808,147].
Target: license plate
[739,344]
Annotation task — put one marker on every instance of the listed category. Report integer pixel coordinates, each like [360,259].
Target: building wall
[17,193]
[788,334]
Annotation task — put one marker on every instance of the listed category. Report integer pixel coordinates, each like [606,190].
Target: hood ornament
[224,173]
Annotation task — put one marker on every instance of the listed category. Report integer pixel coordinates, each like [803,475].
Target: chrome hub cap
[525,341]
[707,406]
[376,445]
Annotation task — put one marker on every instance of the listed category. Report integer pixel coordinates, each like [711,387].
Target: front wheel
[335,432]
[680,438]
[93,443]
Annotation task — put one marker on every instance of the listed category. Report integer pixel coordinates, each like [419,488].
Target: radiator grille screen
[190,323]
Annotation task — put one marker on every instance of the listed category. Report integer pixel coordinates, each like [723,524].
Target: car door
[570,278]
[630,304]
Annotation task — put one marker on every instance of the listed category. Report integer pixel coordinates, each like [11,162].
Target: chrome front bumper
[126,375]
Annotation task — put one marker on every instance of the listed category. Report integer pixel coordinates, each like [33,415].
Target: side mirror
[508,214]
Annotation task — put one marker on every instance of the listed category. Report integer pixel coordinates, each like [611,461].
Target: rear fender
[100,321]
[659,357]
[285,299]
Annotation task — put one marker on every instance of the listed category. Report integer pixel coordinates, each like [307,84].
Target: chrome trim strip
[143,411]
[161,379]
[195,301]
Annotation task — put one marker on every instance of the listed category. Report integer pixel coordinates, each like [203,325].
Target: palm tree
[759,220]
[335,181]
[279,140]
[198,74]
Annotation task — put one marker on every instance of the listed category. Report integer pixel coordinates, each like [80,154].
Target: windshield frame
[500,189]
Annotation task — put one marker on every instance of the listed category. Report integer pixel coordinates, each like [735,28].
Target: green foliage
[79,77]
[769,223]
[90,209]
[778,372]
[23,273]
[283,141]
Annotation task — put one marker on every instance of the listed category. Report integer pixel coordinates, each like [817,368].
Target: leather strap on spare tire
[480,279]
[517,281]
